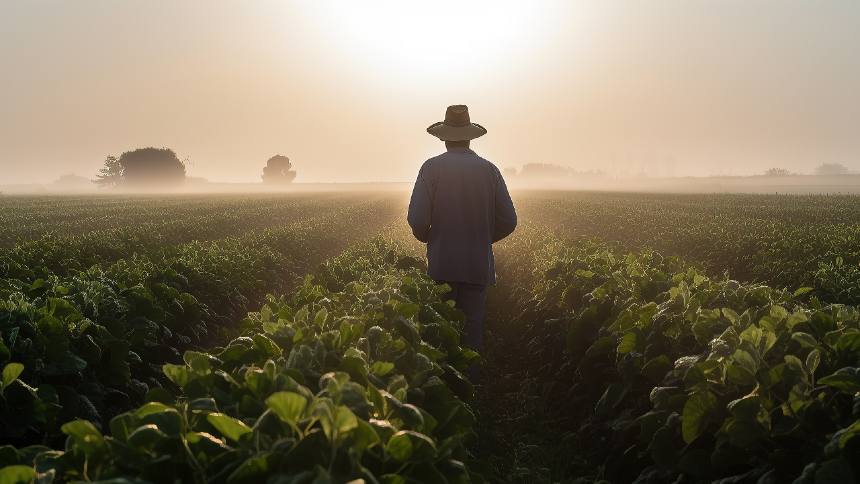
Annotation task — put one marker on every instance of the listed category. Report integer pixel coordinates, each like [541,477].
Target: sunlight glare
[431,37]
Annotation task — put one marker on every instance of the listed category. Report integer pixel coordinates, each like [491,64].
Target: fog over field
[622,95]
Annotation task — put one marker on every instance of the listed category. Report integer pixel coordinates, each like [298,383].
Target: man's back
[459,207]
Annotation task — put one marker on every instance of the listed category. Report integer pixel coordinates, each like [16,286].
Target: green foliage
[10,373]
[699,377]
[782,240]
[354,376]
[157,167]
[119,337]
[93,339]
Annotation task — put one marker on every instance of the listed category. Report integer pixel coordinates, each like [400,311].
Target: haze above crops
[699,88]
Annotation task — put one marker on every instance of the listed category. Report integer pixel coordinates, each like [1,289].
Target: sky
[346,89]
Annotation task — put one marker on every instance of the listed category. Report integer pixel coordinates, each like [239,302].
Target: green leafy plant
[357,375]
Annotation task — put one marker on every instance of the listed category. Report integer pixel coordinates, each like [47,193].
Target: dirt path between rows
[520,438]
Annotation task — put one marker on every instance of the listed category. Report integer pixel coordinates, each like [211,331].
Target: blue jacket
[460,206]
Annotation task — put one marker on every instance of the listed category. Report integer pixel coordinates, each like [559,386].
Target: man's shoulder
[457,156]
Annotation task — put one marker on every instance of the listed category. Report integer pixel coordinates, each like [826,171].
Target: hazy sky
[347,89]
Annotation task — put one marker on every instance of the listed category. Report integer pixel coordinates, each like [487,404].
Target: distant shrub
[143,167]
[277,170]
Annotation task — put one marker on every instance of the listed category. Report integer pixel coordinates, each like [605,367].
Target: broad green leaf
[123,425]
[421,447]
[805,339]
[745,408]
[408,310]
[375,397]
[793,362]
[145,437]
[778,312]
[321,317]
[199,362]
[265,313]
[801,291]
[796,318]
[273,327]
[266,345]
[600,347]
[770,339]
[731,315]
[17,474]
[178,374]
[399,446]
[849,342]
[753,335]
[288,406]
[203,405]
[344,420]
[85,435]
[812,361]
[627,343]
[381,368]
[846,434]
[150,408]
[11,372]
[364,436]
[740,374]
[228,426]
[302,315]
[746,360]
[846,379]
[694,418]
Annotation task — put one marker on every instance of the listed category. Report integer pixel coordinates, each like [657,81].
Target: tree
[143,167]
[111,174]
[277,171]
[777,172]
[831,169]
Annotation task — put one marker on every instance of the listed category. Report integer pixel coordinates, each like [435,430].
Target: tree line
[161,167]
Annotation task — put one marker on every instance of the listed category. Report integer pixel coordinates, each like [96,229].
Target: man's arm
[506,216]
[420,208]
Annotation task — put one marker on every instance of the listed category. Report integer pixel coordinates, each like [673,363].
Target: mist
[621,94]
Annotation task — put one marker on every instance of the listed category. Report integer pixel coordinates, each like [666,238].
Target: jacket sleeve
[506,215]
[420,209]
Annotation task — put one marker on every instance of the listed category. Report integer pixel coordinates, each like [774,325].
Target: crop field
[294,338]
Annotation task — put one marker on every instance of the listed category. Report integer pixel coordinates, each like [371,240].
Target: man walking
[460,206]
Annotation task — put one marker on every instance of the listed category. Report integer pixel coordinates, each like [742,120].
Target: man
[460,206]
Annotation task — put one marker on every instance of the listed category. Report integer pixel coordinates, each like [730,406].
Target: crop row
[663,373]
[93,341]
[356,375]
[782,241]
[27,219]
[154,227]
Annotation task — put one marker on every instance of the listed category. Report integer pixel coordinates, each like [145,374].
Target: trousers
[471,300]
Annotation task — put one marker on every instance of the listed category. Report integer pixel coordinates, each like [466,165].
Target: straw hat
[457,126]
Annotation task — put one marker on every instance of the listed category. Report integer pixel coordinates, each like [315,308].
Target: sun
[427,38]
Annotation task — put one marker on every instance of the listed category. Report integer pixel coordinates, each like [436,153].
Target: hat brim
[456,133]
